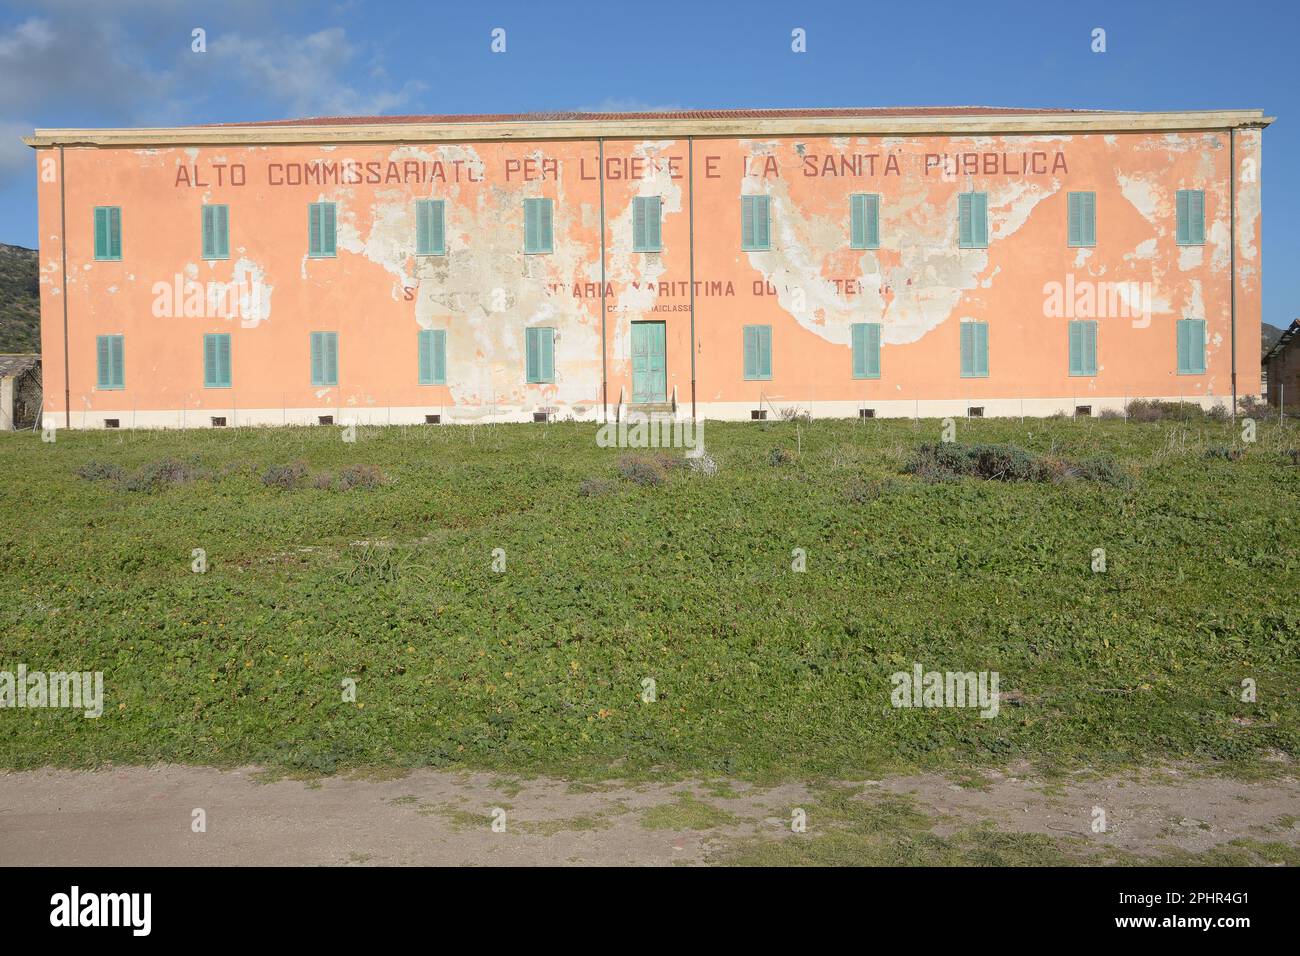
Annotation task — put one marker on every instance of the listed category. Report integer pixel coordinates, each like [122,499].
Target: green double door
[649,362]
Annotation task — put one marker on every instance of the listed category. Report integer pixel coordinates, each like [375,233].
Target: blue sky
[128,62]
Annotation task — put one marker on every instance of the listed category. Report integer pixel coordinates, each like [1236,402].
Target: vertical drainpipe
[1232,257]
[690,225]
[604,377]
[63,247]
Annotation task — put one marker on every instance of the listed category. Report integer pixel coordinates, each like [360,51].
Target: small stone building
[20,391]
[1282,367]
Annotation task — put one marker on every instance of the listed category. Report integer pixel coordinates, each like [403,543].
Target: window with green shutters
[324,358]
[110,361]
[1081,224]
[321,227]
[1191,217]
[974,349]
[216,360]
[108,232]
[540,363]
[216,232]
[645,224]
[973,220]
[433,356]
[755,223]
[538,237]
[758,352]
[430,228]
[1191,346]
[864,221]
[866,349]
[1083,347]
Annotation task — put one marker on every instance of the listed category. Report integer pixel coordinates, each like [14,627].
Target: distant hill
[1271,333]
[20,300]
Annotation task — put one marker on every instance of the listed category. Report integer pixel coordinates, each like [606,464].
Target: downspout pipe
[1232,256]
[690,225]
[604,360]
[63,248]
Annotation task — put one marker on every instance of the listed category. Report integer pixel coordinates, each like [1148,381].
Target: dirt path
[146,816]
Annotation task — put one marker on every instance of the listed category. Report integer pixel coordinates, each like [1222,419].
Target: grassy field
[760,671]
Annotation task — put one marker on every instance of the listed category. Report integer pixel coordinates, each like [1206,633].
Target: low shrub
[863,491]
[361,476]
[641,469]
[163,473]
[101,471]
[781,456]
[595,487]
[285,476]
[1225,452]
[1151,410]
[947,461]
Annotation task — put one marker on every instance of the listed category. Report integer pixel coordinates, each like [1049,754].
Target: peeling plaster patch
[1081,257]
[1190,257]
[193,153]
[191,270]
[112,289]
[988,282]
[1146,249]
[250,275]
[1196,307]
[1143,194]
[1220,245]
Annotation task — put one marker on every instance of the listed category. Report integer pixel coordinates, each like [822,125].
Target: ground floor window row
[649,355]
[647,214]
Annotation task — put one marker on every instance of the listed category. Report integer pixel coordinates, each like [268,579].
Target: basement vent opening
[541,416]
[758,415]
[111,423]
[1083,411]
[432,419]
[218,421]
[975,411]
[325,420]
[866,413]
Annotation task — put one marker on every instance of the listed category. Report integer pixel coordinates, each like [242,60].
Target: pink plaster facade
[810,287]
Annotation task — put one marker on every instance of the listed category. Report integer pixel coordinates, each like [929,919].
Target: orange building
[719,264]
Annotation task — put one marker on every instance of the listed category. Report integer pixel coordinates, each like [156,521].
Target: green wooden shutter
[972,220]
[646,215]
[317,359]
[110,361]
[114,232]
[1082,228]
[321,230]
[324,358]
[757,343]
[540,360]
[866,349]
[313,229]
[108,232]
[433,356]
[857,222]
[216,360]
[328,230]
[755,225]
[1190,210]
[222,214]
[1083,347]
[216,233]
[974,349]
[209,242]
[430,227]
[101,232]
[864,221]
[1191,346]
[538,228]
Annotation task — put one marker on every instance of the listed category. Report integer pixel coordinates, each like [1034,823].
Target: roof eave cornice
[655,128]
